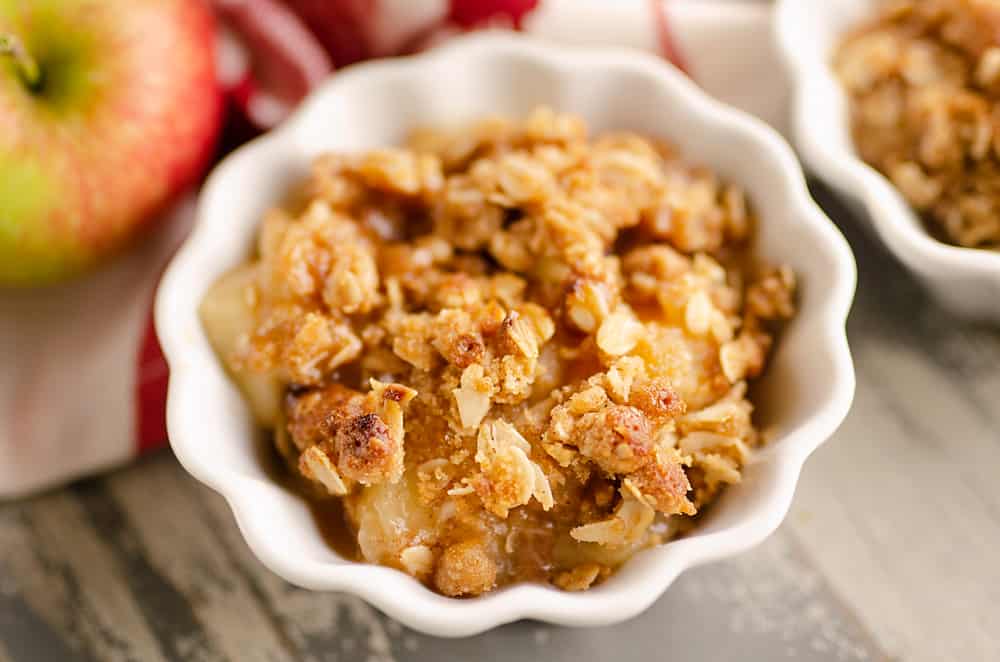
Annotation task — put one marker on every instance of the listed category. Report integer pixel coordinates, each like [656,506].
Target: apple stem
[27,66]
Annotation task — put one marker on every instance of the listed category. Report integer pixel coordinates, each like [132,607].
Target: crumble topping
[515,352]
[923,79]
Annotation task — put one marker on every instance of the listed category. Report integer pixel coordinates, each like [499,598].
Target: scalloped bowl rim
[816,95]
[391,591]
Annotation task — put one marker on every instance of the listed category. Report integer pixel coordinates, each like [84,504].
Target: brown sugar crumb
[923,80]
[581,577]
[664,484]
[342,424]
[465,569]
[366,449]
[657,400]
[312,415]
[618,439]
[509,349]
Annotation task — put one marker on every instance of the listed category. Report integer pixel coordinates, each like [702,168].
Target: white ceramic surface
[805,394]
[965,280]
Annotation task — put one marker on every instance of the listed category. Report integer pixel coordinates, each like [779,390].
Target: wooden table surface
[890,550]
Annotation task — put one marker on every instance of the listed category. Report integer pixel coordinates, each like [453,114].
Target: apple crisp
[923,79]
[514,352]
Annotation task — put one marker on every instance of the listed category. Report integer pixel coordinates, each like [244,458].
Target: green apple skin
[126,117]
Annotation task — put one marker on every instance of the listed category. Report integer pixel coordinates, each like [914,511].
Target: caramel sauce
[331,521]
[327,512]
[582,368]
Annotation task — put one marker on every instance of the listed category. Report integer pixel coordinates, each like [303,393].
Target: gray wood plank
[182,545]
[65,574]
[23,634]
[900,509]
[167,612]
[27,637]
[321,626]
[20,572]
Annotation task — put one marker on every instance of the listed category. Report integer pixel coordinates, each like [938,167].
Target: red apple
[108,108]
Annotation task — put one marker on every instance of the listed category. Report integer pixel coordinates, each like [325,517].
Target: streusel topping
[923,79]
[514,352]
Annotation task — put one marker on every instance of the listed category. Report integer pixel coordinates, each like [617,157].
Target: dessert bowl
[966,280]
[802,399]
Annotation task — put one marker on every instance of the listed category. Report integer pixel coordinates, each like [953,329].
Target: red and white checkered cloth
[83,382]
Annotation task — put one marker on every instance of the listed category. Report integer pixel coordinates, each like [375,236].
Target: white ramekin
[804,396]
[966,280]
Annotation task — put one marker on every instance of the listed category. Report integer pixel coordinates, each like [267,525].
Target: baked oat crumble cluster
[515,353]
[923,80]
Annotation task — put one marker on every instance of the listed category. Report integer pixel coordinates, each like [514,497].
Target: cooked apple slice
[227,315]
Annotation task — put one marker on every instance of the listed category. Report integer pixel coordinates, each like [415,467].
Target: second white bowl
[966,280]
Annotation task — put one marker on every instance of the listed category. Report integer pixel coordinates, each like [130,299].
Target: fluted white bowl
[965,280]
[805,394]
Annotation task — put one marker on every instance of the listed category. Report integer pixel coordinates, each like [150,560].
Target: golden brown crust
[356,441]
[364,448]
[657,400]
[505,349]
[581,577]
[664,482]
[312,415]
[618,439]
[465,569]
